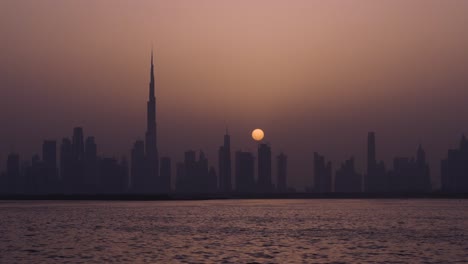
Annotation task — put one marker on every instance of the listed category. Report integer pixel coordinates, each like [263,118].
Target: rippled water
[235,231]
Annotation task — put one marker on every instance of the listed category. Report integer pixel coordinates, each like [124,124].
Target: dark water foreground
[235,231]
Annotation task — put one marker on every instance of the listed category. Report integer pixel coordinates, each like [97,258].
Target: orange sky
[315,75]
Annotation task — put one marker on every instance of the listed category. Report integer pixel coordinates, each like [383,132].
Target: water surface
[235,231]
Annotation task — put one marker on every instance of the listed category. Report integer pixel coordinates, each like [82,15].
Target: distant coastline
[233,196]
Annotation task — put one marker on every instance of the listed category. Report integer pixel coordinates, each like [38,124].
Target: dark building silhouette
[322,174]
[34,179]
[224,159]
[78,144]
[282,162]
[454,169]
[201,182]
[245,172]
[180,176]
[13,174]
[212,180]
[113,176]
[152,156]
[125,170]
[347,180]
[77,173]
[50,169]
[165,175]
[264,168]
[66,164]
[188,181]
[195,175]
[49,154]
[91,170]
[376,178]
[205,182]
[410,175]
[139,177]
[3,187]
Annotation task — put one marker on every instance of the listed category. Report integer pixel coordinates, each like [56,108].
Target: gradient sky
[315,75]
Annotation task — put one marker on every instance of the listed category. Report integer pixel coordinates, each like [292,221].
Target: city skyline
[247,131]
[316,76]
[83,171]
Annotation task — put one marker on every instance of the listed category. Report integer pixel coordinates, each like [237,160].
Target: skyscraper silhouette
[245,172]
[78,144]
[224,159]
[454,169]
[77,173]
[282,163]
[152,157]
[376,178]
[187,175]
[14,181]
[138,168]
[49,154]
[50,170]
[264,168]
[66,164]
[347,180]
[91,165]
[409,174]
[322,174]
[165,175]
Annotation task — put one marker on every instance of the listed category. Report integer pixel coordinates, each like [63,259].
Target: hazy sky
[315,75]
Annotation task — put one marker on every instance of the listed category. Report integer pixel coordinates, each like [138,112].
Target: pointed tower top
[151,92]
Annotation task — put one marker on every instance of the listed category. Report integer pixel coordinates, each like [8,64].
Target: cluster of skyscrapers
[82,171]
[409,175]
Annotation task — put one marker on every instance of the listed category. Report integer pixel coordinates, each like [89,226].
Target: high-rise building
[322,174]
[138,172]
[66,164]
[165,175]
[410,175]
[347,180]
[112,175]
[454,169]
[91,174]
[180,176]
[49,154]
[194,176]
[187,175]
[201,183]
[50,170]
[14,181]
[224,159]
[282,162]
[78,144]
[212,180]
[245,172]
[152,156]
[264,168]
[377,177]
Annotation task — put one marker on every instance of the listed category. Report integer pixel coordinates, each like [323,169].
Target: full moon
[258,134]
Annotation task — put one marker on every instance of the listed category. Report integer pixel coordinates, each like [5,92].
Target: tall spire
[152,76]
[152,156]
